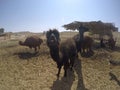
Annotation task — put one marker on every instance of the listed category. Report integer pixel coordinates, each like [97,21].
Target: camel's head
[41,41]
[52,37]
[82,29]
[20,42]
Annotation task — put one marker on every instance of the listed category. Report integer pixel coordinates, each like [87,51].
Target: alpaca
[64,53]
[32,42]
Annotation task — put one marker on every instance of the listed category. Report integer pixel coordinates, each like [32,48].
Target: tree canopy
[95,27]
[1,30]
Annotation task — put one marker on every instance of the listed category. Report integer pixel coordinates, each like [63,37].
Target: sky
[41,15]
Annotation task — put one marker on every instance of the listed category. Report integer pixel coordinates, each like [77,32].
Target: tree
[95,27]
[1,30]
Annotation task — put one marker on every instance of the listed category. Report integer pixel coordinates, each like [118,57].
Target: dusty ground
[22,69]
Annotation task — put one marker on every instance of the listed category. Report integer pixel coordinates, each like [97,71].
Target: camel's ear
[57,34]
[48,33]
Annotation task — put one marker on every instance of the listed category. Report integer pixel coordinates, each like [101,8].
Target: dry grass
[22,69]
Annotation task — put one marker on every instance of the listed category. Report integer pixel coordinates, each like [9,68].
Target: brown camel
[32,42]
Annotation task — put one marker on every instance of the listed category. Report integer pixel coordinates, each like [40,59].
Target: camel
[83,42]
[63,53]
[32,42]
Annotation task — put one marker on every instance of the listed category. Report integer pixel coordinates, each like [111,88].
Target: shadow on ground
[117,49]
[66,82]
[26,55]
[113,77]
[87,55]
[78,69]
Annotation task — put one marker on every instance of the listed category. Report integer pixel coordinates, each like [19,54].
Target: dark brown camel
[83,43]
[84,46]
[64,53]
[32,42]
[111,43]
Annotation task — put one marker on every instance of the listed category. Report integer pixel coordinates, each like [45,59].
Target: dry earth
[22,69]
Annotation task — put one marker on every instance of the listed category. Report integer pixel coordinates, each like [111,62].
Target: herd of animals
[64,53]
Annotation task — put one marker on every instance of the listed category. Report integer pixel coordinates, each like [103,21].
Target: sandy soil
[22,69]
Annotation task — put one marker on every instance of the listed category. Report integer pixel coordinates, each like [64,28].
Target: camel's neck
[81,32]
[81,35]
[54,52]
[22,43]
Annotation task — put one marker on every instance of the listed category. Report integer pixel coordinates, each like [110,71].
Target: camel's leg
[39,47]
[72,62]
[35,49]
[66,65]
[83,50]
[59,69]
